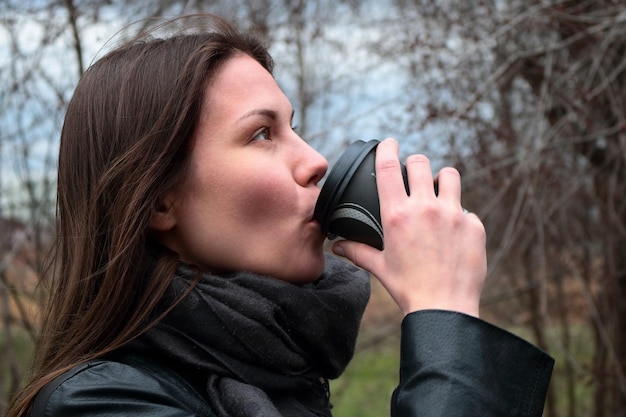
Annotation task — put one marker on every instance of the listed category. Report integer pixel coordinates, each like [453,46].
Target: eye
[261,135]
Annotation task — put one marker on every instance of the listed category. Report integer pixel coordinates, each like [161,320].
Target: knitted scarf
[258,346]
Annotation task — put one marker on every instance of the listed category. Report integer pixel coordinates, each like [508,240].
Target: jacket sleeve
[112,389]
[452,364]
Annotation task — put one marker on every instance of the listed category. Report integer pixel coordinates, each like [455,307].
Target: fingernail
[338,250]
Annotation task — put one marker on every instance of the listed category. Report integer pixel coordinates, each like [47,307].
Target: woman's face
[249,199]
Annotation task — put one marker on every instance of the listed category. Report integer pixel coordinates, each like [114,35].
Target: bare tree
[535,95]
[526,98]
[50,44]
[40,40]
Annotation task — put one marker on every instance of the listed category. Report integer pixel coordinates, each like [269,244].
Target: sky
[350,108]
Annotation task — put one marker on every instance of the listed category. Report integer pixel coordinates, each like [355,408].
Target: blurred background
[526,98]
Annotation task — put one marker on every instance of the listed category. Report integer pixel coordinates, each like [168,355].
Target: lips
[311,212]
[311,220]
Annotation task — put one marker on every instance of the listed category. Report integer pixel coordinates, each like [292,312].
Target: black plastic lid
[338,180]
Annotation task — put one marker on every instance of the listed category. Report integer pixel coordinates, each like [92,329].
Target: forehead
[241,86]
[242,81]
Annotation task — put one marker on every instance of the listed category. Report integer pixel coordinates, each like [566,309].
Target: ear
[164,219]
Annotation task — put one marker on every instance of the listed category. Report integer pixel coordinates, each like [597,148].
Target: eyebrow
[269,113]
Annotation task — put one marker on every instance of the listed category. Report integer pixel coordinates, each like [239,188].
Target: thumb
[360,254]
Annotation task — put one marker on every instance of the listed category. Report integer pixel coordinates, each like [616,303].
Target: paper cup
[348,204]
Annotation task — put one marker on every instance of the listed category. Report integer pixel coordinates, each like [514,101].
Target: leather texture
[457,365]
[451,365]
[110,388]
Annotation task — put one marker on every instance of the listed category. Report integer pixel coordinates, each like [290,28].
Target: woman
[190,277]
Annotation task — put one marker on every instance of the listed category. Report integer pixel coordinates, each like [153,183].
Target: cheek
[266,198]
[255,199]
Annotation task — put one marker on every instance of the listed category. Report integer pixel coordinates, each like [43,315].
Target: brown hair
[125,142]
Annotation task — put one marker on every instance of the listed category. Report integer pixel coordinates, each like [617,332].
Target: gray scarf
[258,346]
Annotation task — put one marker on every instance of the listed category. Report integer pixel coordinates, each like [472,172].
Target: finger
[449,185]
[360,254]
[420,177]
[388,173]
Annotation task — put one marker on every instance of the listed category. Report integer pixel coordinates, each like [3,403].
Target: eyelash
[266,132]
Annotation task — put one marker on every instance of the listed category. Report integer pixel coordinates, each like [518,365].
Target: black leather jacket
[451,365]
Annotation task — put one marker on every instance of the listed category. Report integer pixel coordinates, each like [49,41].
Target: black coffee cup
[348,204]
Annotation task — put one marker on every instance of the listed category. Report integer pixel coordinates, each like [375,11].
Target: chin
[306,273]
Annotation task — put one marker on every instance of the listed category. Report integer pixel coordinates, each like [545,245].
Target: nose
[310,166]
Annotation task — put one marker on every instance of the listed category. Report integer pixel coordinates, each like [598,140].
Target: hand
[434,255]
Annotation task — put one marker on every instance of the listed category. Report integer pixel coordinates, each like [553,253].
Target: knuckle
[417,159]
[482,232]
[478,229]
[430,212]
[398,216]
[387,165]
[450,171]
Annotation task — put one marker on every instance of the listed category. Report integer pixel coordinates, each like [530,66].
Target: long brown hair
[125,142]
